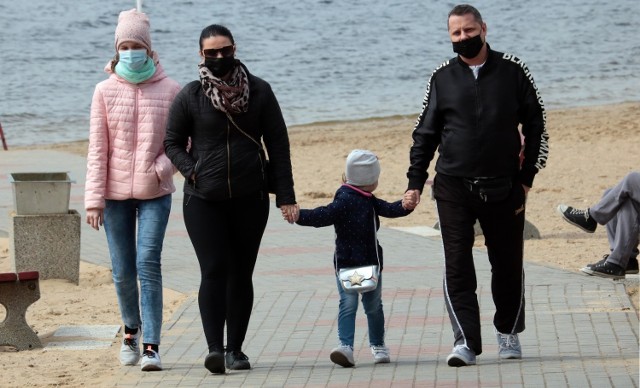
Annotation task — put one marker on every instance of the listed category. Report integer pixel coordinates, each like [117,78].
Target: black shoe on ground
[214,362]
[632,266]
[604,269]
[578,217]
[236,360]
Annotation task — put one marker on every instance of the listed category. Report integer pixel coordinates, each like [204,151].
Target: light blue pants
[619,211]
[372,303]
[134,259]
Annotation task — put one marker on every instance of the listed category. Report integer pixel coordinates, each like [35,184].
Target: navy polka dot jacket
[354,215]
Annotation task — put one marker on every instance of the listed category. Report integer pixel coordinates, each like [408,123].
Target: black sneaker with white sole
[605,269]
[578,217]
[632,264]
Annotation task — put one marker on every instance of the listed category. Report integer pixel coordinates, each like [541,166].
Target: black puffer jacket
[226,163]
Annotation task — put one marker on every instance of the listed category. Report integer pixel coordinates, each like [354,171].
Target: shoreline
[313,125]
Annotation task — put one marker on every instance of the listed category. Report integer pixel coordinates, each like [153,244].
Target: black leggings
[226,236]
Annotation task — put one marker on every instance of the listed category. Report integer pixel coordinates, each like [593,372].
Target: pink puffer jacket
[126,154]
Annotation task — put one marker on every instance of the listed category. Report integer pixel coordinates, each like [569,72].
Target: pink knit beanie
[133,26]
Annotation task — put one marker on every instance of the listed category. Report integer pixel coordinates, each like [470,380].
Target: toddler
[354,214]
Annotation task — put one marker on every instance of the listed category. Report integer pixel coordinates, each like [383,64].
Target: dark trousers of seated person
[226,236]
[502,226]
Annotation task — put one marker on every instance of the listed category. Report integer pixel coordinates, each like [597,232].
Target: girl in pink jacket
[130,181]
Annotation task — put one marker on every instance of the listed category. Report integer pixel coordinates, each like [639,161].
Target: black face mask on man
[219,67]
[469,48]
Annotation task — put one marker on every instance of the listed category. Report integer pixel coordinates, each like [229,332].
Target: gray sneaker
[130,349]
[461,356]
[343,356]
[509,346]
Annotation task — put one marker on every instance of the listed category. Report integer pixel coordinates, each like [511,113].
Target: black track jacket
[474,123]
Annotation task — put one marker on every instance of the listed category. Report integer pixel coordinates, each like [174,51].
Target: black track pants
[503,226]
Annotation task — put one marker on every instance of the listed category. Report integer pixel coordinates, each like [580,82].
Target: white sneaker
[150,360]
[130,349]
[343,356]
[380,354]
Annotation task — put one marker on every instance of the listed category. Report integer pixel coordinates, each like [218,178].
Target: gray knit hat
[133,26]
[363,168]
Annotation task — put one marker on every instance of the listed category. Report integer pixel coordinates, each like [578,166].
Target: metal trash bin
[41,192]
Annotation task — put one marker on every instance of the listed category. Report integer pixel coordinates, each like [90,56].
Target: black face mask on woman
[468,48]
[219,67]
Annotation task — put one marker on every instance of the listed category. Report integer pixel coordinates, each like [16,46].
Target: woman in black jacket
[214,137]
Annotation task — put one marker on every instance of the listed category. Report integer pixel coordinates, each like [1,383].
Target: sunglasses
[226,51]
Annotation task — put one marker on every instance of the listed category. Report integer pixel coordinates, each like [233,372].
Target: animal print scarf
[230,96]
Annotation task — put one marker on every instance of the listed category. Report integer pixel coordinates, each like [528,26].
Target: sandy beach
[591,148]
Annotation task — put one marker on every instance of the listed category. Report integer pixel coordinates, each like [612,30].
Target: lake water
[325,59]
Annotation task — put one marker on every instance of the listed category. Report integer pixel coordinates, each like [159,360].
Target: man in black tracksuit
[473,106]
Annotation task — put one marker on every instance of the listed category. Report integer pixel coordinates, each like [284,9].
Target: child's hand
[409,200]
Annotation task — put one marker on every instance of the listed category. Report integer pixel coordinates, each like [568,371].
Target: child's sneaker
[150,360]
[130,351]
[380,354]
[343,356]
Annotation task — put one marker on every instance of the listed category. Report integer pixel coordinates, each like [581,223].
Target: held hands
[290,213]
[411,199]
[95,218]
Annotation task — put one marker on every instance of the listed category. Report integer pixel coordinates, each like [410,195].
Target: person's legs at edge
[622,233]
[617,209]
[627,189]
[120,227]
[153,216]
[372,303]
[457,219]
[503,227]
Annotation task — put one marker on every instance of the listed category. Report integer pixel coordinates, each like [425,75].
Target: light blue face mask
[135,66]
[134,60]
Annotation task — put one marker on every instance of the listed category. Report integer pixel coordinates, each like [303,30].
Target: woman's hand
[95,218]
[290,213]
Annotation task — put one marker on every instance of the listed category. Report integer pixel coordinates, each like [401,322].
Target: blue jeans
[133,260]
[372,303]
